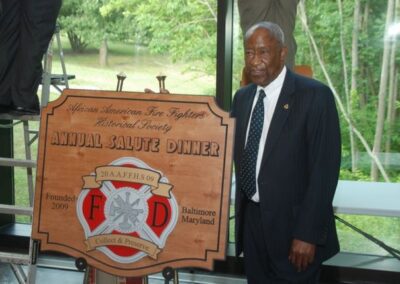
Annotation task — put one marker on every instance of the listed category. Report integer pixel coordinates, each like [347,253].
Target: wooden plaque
[132,182]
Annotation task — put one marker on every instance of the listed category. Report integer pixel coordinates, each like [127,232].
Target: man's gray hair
[274,29]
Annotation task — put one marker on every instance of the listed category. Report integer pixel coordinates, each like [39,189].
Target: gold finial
[161,82]
[121,76]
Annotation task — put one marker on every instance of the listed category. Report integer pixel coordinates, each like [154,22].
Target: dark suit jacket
[299,169]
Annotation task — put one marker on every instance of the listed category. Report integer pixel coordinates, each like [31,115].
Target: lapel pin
[286,106]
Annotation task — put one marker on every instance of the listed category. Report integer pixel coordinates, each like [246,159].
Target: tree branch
[207,4]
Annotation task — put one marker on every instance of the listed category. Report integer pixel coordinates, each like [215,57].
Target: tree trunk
[363,97]
[103,53]
[382,91]
[77,44]
[354,73]
[349,93]
[391,110]
[391,115]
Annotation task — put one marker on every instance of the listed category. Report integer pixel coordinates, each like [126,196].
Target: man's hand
[150,91]
[301,254]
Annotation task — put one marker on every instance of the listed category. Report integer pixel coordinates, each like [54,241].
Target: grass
[386,229]
[141,69]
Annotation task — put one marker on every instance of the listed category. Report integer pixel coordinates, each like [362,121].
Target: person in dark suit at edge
[281,12]
[287,175]
[26,28]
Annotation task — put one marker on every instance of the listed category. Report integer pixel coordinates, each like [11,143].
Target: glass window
[352,47]
[142,39]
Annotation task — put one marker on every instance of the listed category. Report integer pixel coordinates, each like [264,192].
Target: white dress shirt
[272,92]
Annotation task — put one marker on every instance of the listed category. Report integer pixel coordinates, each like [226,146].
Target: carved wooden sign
[132,182]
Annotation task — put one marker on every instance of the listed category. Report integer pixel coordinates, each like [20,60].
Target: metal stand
[49,79]
[95,276]
[18,259]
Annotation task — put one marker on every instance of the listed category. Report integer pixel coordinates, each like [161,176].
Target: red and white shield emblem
[127,210]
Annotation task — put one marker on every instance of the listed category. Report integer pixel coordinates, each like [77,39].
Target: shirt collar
[275,84]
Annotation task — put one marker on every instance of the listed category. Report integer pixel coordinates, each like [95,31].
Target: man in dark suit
[287,173]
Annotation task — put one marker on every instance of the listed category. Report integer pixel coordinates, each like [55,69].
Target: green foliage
[185,29]
[346,174]
[324,21]
[90,21]
[76,19]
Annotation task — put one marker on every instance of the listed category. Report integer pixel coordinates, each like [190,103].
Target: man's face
[264,57]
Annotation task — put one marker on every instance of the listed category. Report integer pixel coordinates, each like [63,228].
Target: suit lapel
[281,113]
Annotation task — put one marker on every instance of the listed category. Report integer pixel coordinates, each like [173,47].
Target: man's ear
[284,52]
